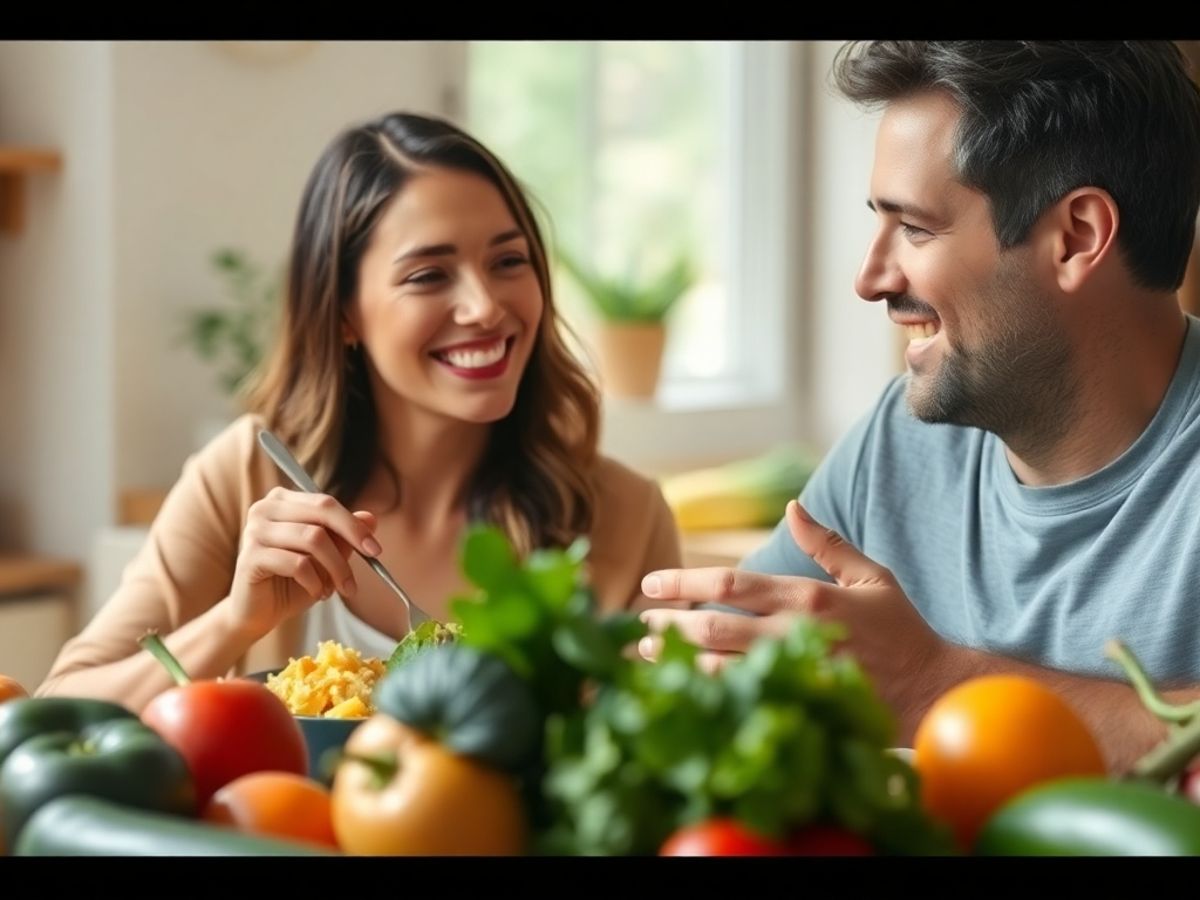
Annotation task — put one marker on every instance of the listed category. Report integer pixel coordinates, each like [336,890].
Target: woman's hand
[295,551]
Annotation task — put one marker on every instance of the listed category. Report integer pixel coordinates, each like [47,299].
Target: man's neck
[1126,363]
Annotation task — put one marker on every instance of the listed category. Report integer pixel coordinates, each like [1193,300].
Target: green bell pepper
[54,746]
[1093,817]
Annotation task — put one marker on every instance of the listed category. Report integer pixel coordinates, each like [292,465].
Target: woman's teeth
[475,358]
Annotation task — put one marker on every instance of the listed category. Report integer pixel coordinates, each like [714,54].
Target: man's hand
[886,634]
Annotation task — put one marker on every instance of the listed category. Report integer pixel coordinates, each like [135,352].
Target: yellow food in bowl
[335,684]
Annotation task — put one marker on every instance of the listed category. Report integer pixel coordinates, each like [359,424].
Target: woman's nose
[477,304]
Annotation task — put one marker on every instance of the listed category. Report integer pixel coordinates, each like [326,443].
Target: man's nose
[879,276]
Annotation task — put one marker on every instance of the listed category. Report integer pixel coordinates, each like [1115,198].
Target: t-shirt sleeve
[833,497]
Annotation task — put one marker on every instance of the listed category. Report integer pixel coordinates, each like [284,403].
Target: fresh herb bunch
[539,616]
[788,735]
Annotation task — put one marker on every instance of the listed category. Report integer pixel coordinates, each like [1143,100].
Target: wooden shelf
[34,574]
[15,164]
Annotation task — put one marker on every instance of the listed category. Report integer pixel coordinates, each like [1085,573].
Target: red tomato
[226,729]
[1189,783]
[828,840]
[719,837]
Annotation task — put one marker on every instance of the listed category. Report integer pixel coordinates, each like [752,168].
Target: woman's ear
[349,336]
[1084,226]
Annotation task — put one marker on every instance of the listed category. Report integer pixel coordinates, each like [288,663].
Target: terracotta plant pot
[630,357]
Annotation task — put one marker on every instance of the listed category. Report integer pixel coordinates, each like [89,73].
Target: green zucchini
[79,825]
[1093,817]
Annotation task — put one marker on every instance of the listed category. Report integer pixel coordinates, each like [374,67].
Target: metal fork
[283,458]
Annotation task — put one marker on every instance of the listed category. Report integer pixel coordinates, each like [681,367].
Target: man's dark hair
[1041,118]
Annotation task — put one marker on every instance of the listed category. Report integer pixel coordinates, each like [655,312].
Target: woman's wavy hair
[313,391]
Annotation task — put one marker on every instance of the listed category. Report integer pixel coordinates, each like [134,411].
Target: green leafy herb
[427,634]
[539,616]
[788,735]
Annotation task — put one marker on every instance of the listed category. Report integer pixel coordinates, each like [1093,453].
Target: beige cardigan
[186,564]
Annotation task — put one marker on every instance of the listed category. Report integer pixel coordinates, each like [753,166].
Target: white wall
[171,149]
[852,346]
[213,150]
[57,444]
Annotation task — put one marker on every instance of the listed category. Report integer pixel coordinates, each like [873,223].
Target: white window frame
[700,421]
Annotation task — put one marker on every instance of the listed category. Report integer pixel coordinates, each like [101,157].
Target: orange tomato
[279,804]
[404,794]
[989,739]
[10,689]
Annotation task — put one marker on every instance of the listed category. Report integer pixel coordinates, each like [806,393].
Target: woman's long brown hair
[535,477]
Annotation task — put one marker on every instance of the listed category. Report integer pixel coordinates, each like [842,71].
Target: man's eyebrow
[902,209]
[450,249]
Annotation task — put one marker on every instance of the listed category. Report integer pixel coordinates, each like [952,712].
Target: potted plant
[633,310]
[234,335]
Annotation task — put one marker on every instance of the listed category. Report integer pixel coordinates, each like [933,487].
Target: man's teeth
[477,358]
[921,330]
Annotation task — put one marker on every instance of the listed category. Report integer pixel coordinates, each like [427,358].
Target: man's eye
[911,231]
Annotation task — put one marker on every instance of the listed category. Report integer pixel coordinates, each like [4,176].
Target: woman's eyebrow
[450,249]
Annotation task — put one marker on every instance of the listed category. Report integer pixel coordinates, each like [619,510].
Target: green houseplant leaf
[234,335]
[636,296]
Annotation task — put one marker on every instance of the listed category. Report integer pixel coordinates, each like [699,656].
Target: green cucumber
[1093,817]
[78,825]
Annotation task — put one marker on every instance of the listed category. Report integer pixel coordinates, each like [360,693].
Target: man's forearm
[1118,719]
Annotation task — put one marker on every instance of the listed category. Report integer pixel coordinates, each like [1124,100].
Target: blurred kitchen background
[128,169]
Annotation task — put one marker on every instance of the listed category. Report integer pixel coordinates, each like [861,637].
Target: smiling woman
[422,377]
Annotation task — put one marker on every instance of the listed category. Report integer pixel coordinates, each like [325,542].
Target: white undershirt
[331,620]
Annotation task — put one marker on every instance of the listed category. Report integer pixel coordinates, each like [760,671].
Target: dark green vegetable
[1093,817]
[469,701]
[89,826]
[23,718]
[60,746]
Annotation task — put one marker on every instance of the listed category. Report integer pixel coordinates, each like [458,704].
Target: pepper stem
[153,643]
[383,765]
[1170,757]
[1168,712]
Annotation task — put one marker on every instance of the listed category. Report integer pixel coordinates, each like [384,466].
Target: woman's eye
[512,261]
[425,277]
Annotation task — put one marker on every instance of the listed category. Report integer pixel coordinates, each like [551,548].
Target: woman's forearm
[207,647]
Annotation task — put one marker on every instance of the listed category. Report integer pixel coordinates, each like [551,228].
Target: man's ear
[1083,228]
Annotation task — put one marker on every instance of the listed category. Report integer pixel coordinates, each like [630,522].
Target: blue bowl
[324,737]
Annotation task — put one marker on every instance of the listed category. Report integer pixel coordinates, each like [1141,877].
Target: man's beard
[1017,383]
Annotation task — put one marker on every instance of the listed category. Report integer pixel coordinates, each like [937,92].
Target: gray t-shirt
[1042,574]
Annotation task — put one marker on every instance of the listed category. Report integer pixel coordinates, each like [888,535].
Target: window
[635,150]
